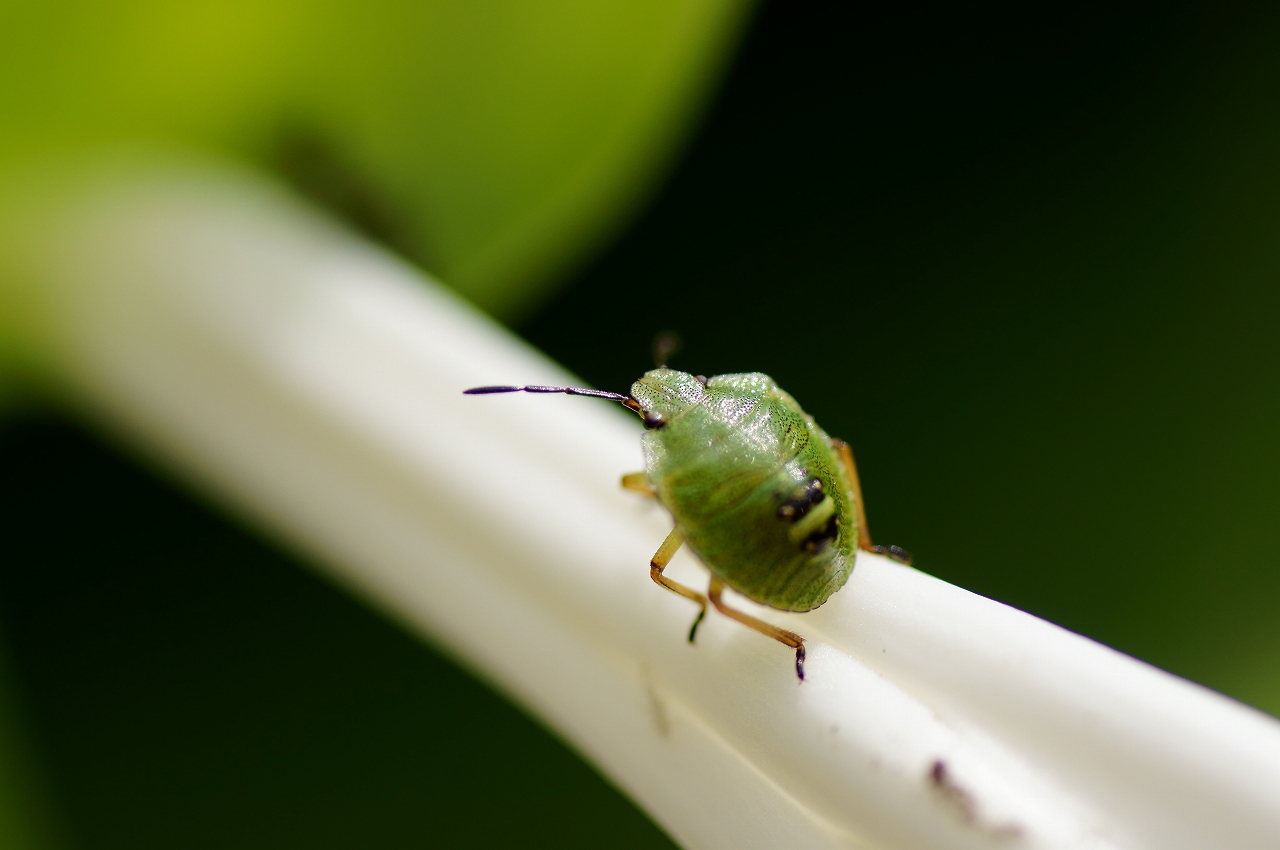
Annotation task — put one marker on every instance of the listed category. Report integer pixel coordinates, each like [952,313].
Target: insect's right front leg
[659,563]
[638,482]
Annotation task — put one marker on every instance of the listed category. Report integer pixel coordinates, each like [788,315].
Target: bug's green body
[754,485]
[761,494]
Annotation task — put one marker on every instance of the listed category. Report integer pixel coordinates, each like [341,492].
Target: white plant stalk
[314,383]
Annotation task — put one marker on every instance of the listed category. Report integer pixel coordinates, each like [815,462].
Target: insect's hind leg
[897,553]
[791,639]
[659,563]
[638,482]
[851,474]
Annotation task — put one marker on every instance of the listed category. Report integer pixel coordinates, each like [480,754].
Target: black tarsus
[896,553]
[800,661]
[697,621]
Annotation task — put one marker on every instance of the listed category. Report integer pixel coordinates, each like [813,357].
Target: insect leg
[851,473]
[791,639]
[659,563]
[897,553]
[638,482]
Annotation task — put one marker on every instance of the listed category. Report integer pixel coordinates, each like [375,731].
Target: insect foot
[800,661]
[697,621]
[896,553]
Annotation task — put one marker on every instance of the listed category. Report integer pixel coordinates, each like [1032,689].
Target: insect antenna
[626,400]
[665,344]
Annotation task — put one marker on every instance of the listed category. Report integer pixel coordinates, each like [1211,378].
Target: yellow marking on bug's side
[815,519]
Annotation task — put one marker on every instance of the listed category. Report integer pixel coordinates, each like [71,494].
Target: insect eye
[653,421]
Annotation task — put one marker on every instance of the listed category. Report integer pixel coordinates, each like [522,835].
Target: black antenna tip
[488,390]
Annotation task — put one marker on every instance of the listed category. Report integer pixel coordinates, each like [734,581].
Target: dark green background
[1030,269]
[1026,265]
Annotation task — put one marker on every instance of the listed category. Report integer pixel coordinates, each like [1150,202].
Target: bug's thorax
[665,394]
[731,425]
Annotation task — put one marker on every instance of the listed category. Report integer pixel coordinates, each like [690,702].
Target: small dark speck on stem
[964,804]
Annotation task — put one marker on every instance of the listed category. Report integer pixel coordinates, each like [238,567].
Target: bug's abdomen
[757,493]
[782,546]
[782,537]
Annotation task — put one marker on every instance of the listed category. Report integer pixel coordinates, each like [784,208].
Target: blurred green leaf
[494,143]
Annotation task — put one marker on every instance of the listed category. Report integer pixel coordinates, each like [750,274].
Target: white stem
[315,383]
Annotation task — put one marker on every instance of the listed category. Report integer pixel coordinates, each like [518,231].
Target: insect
[769,503]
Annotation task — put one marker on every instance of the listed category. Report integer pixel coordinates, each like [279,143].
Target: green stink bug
[769,503]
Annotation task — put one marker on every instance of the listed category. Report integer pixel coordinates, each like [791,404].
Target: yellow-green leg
[897,553]
[638,482]
[659,563]
[851,474]
[791,639]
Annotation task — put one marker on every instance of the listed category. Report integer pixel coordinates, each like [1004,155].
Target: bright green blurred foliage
[492,142]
